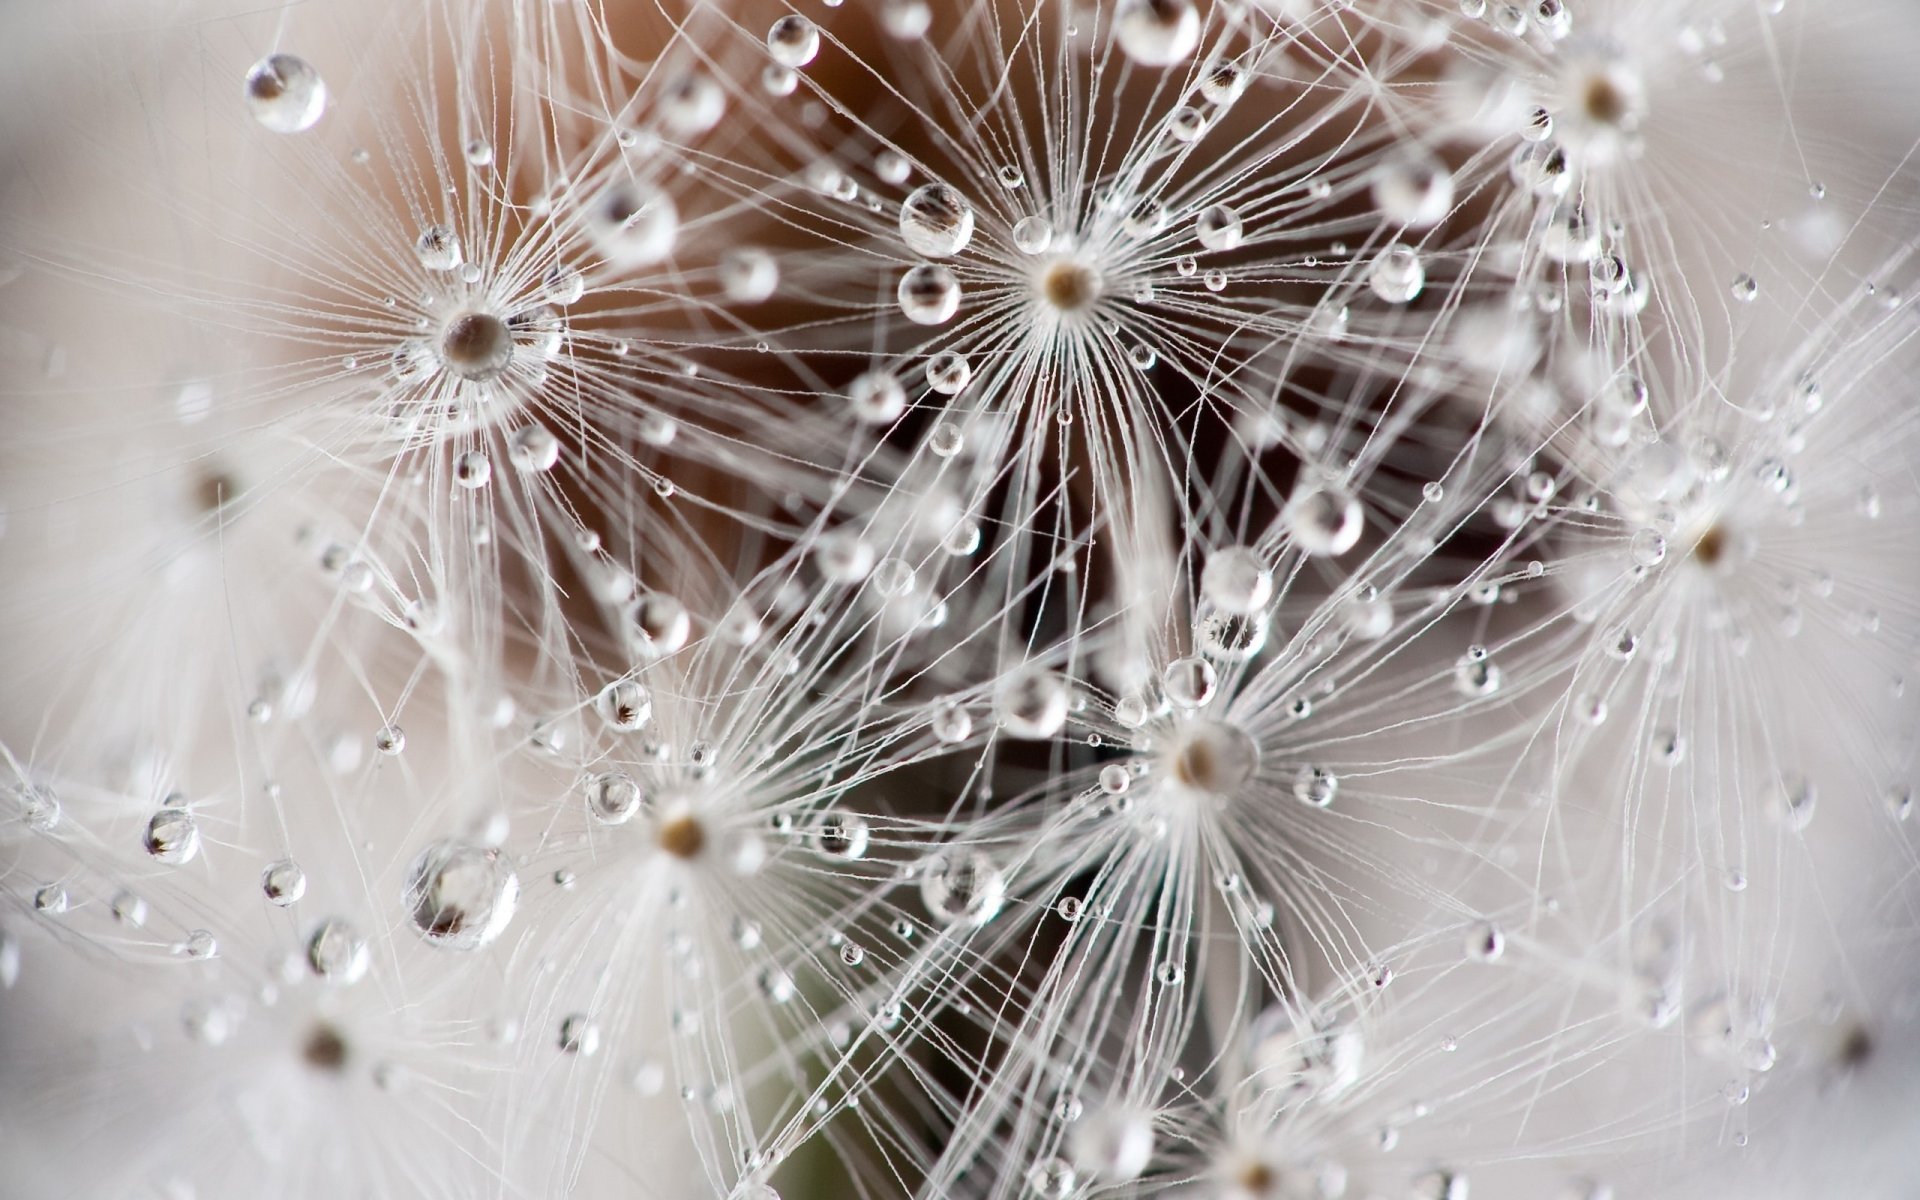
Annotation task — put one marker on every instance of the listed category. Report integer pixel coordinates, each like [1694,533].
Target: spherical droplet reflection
[460,896]
[285,94]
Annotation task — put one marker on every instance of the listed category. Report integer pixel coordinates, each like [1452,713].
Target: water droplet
[843,836]
[1033,704]
[793,41]
[580,1036]
[337,953]
[749,275]
[624,705]
[460,896]
[1397,275]
[1413,188]
[949,373]
[438,247]
[876,398]
[929,295]
[1218,228]
[285,93]
[935,221]
[283,882]
[473,469]
[1325,520]
[962,886]
[950,722]
[1032,235]
[658,624]
[533,448]
[613,797]
[1485,943]
[1236,580]
[1115,1145]
[1189,682]
[1315,786]
[633,224]
[1156,33]
[1052,1179]
[172,836]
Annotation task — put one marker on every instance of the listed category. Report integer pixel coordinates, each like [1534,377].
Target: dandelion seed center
[1212,758]
[213,489]
[1711,549]
[681,835]
[1069,286]
[325,1049]
[476,346]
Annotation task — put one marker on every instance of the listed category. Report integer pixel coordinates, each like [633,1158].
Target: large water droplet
[285,93]
[460,896]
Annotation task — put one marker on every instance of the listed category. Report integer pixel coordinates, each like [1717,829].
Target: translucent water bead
[1157,33]
[460,896]
[285,94]
[1236,580]
[793,41]
[1397,274]
[633,224]
[929,295]
[935,221]
[1324,520]
[1413,187]
[962,886]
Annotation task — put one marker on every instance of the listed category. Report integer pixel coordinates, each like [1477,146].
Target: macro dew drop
[285,94]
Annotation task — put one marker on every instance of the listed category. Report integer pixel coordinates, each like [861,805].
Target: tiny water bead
[533,449]
[172,836]
[749,275]
[460,896]
[1315,787]
[1189,682]
[1115,1145]
[876,398]
[691,104]
[950,722]
[1157,33]
[841,836]
[1324,520]
[949,373]
[1236,580]
[1745,287]
[1485,943]
[579,1035]
[473,469]
[1033,704]
[634,224]
[475,346]
[1397,274]
[793,41]
[1218,228]
[961,886]
[337,953]
[935,221]
[39,807]
[1032,235]
[438,248]
[624,705]
[658,624]
[390,740]
[929,295]
[283,882]
[613,797]
[285,94]
[1052,1179]
[1413,188]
